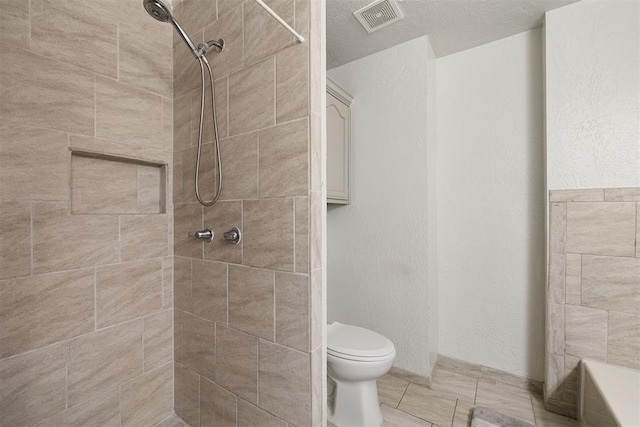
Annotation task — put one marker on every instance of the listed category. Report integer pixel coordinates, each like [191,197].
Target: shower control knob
[206,234]
[233,236]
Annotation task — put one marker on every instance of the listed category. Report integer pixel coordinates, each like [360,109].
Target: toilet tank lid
[357,341]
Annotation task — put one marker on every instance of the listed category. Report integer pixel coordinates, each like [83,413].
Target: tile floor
[451,397]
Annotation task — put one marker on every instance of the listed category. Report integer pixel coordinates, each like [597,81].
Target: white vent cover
[378,14]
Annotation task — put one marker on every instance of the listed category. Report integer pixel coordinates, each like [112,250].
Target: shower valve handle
[206,234]
[233,236]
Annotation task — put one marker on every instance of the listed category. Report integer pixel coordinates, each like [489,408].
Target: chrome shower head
[157,10]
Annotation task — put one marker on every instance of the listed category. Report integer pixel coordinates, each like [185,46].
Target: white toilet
[356,358]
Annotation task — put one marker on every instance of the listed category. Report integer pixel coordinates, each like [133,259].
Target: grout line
[455,409]
[403,394]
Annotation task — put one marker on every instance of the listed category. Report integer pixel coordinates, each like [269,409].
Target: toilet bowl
[356,358]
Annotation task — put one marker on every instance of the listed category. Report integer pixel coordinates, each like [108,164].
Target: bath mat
[485,417]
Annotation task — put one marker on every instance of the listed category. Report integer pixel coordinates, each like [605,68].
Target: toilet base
[355,404]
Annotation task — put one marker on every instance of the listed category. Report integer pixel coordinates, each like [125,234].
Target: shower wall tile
[302,234]
[217,406]
[104,146]
[167,119]
[130,12]
[144,62]
[611,283]
[240,157]
[251,415]
[157,336]
[128,290]
[269,233]
[103,410]
[601,228]
[622,194]
[135,237]
[62,241]
[263,35]
[556,328]
[229,28]
[316,208]
[557,227]
[573,280]
[15,238]
[252,97]
[178,342]
[223,216]
[220,93]
[127,114]
[292,83]
[150,187]
[41,310]
[582,195]
[285,384]
[316,309]
[302,19]
[623,339]
[208,175]
[198,340]
[51,94]
[284,160]
[186,71]
[57,26]
[187,395]
[148,399]
[226,6]
[315,135]
[209,290]
[251,300]
[14,27]
[557,274]
[182,283]
[182,122]
[28,380]
[188,217]
[26,149]
[292,310]
[198,13]
[586,332]
[237,362]
[102,360]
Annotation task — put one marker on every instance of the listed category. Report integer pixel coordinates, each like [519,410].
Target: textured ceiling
[452,25]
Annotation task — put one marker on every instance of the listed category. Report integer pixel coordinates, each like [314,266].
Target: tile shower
[593,299]
[110,315]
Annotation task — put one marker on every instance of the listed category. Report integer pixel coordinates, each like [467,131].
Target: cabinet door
[338,141]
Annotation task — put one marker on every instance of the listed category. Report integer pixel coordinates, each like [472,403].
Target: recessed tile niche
[107,184]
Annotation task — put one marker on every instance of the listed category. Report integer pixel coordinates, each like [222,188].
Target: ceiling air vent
[378,14]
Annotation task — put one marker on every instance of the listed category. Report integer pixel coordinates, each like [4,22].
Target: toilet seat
[357,344]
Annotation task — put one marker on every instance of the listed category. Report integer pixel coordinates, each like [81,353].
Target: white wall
[379,258]
[491,205]
[593,94]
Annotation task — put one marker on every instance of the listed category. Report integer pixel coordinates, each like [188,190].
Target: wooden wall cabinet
[338,143]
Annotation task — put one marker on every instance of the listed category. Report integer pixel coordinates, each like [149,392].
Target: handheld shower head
[157,10]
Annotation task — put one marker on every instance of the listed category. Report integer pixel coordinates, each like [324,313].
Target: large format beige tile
[198,337]
[147,399]
[229,28]
[316,209]
[240,167]
[586,332]
[103,410]
[391,389]
[318,405]
[187,217]
[250,416]
[251,300]
[15,239]
[151,186]
[63,242]
[127,114]
[45,93]
[128,290]
[557,274]
[135,237]
[167,123]
[144,62]
[429,405]
[198,13]
[102,360]
[611,283]
[237,362]
[182,122]
[41,310]
[583,195]
[292,83]
[283,153]
[395,418]
[209,290]
[34,164]
[221,98]
[217,406]
[186,71]
[224,216]
[57,27]
[100,186]
[315,147]
[292,310]
[252,98]
[506,399]
[601,228]
[33,386]
[187,395]
[14,27]
[172,421]
[462,416]
[622,194]
[556,328]
[623,339]
[302,234]
[573,279]
[263,35]
[303,16]
[182,283]
[554,381]
[269,233]
[557,227]
[285,384]
[454,384]
[178,341]
[157,335]
[316,308]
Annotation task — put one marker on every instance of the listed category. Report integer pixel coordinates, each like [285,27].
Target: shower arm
[281,21]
